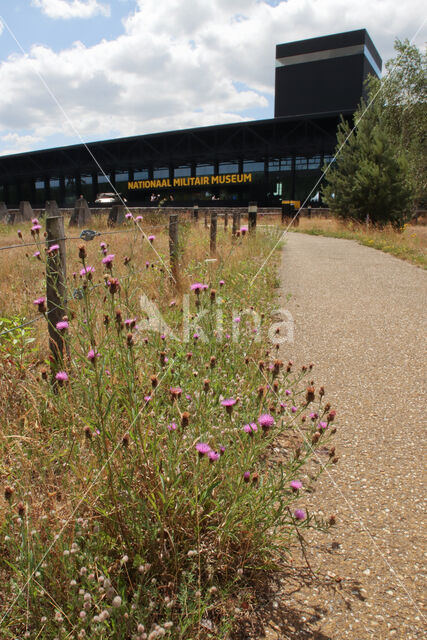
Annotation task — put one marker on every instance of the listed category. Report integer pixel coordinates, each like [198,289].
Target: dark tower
[324,75]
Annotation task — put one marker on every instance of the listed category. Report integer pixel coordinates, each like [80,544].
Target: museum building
[317,80]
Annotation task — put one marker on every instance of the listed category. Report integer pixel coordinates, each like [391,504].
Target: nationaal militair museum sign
[167,183]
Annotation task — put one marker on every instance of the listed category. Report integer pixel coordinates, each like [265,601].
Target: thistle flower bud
[129,340]
[310,395]
[88,432]
[20,508]
[8,492]
[316,437]
[185,418]
[125,440]
[154,381]
[82,252]
[206,383]
[212,362]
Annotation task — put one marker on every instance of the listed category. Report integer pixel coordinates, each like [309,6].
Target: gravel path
[360,317]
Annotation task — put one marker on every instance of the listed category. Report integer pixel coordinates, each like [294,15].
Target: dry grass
[410,244]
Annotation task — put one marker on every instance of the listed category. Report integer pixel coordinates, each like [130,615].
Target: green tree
[368,177]
[403,96]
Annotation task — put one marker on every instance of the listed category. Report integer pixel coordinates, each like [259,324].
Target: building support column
[61,202]
[94,186]
[78,183]
[46,188]
[293,177]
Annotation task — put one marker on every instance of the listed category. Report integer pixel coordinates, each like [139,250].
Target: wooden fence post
[56,289]
[213,232]
[206,218]
[239,219]
[173,246]
[225,220]
[234,227]
[252,215]
[196,212]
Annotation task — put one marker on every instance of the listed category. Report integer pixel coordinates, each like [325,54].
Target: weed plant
[141,499]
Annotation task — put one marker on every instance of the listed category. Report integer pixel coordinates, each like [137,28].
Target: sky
[86,70]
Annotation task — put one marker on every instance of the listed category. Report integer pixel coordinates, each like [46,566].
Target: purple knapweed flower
[87,271]
[221,450]
[202,448]
[128,215]
[138,218]
[36,228]
[188,397]
[287,392]
[294,409]
[172,426]
[92,354]
[228,403]
[151,238]
[37,255]
[213,456]
[62,376]
[102,245]
[296,485]
[108,260]
[250,428]
[147,398]
[35,221]
[41,303]
[236,320]
[247,476]
[299,514]
[323,425]
[130,323]
[266,421]
[53,248]
[62,325]
[221,283]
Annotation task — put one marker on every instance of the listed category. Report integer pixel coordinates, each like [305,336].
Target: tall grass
[408,244]
[140,496]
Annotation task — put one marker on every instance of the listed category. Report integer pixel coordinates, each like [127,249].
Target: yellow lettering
[233,178]
[205,179]
[215,179]
[197,181]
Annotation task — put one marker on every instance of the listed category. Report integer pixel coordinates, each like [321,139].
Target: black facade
[324,75]
[266,160]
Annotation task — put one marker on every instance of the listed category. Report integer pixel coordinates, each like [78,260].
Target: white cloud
[67,9]
[177,64]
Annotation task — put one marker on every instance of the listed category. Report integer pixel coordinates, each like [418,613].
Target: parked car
[107,199]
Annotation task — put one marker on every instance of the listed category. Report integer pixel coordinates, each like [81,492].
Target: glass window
[205,170]
[314,162]
[182,172]
[161,172]
[140,174]
[102,179]
[86,179]
[39,184]
[251,166]
[301,163]
[54,182]
[328,158]
[280,164]
[228,167]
